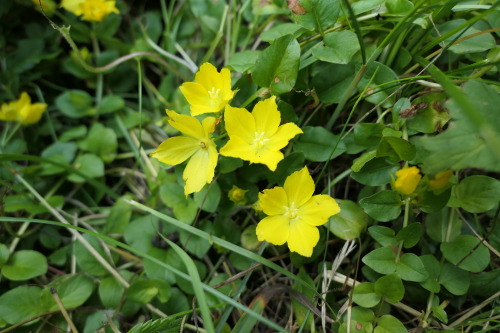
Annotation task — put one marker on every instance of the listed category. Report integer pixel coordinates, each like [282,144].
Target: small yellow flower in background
[91,10]
[210,92]
[294,213]
[440,180]
[22,110]
[407,180]
[237,195]
[257,137]
[48,6]
[196,145]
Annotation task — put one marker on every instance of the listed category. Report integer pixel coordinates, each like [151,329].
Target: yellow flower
[196,145]
[211,90]
[22,110]
[257,137]
[294,213]
[91,10]
[407,180]
[440,180]
[237,195]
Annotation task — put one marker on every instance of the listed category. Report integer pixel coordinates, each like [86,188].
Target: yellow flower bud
[407,180]
[440,180]
[237,195]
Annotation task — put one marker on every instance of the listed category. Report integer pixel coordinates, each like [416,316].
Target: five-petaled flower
[210,92]
[294,213]
[257,137]
[21,110]
[196,145]
[91,10]
[407,180]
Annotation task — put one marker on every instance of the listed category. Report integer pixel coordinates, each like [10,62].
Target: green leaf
[398,6]
[86,261]
[466,251]
[76,132]
[195,245]
[140,233]
[368,134]
[360,162]
[410,235]
[339,47]
[350,222]
[110,103]
[110,291]
[21,303]
[100,141]
[382,206]
[389,324]
[4,254]
[208,198]
[300,311]
[376,172]
[62,152]
[383,235]
[319,14]
[454,279]
[243,62]
[142,291]
[432,267]
[365,295]
[278,65]
[171,324]
[384,82]
[72,290]
[119,217]
[318,144]
[466,143]
[390,287]
[439,313]
[411,268]
[429,201]
[479,43]
[440,228]
[90,165]
[331,88]
[381,260]
[477,194]
[281,30]
[24,265]
[75,104]
[396,149]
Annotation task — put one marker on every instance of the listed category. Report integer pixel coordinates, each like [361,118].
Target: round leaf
[389,324]
[24,265]
[21,303]
[411,268]
[318,144]
[477,194]
[465,252]
[350,222]
[454,279]
[364,295]
[382,206]
[390,287]
[382,260]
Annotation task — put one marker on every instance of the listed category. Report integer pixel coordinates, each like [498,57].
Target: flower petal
[267,117]
[209,77]
[32,113]
[198,98]
[227,93]
[237,147]
[176,150]
[273,201]
[185,124]
[273,229]
[318,210]
[239,122]
[302,238]
[268,157]
[209,124]
[282,136]
[299,187]
[200,169]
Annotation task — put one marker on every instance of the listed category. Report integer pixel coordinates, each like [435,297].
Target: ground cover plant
[249,166]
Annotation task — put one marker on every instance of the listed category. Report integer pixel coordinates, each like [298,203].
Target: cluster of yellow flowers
[22,111]
[257,137]
[91,10]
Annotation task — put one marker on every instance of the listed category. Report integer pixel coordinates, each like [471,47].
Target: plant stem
[405,223]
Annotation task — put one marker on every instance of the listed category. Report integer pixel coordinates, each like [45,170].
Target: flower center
[291,211]
[214,93]
[203,145]
[259,140]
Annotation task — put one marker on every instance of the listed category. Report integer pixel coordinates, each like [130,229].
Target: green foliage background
[94,228]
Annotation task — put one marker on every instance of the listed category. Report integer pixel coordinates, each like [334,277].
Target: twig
[53,291]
